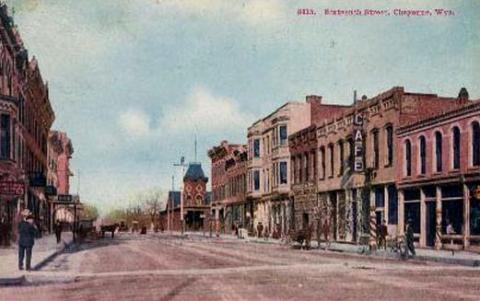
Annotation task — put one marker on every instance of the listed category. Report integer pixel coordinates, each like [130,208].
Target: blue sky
[131,82]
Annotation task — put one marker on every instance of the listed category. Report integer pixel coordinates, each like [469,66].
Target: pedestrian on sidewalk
[27,231]
[259,229]
[326,232]
[410,238]
[382,235]
[58,231]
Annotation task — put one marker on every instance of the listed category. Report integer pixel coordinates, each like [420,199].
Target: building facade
[59,154]
[268,165]
[304,161]
[229,174]
[196,202]
[25,120]
[438,176]
[357,152]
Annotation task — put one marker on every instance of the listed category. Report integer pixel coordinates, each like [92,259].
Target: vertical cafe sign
[358,160]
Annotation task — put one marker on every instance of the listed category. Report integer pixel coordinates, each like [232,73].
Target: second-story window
[5,136]
[438,152]
[376,155]
[332,159]
[456,148]
[475,144]
[389,138]
[305,167]
[408,158]
[283,134]
[341,156]
[256,180]
[256,148]
[423,155]
[322,162]
[283,172]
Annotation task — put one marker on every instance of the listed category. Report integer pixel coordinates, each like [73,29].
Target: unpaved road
[163,267]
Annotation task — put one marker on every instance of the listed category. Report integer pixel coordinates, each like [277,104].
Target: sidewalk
[444,256]
[45,248]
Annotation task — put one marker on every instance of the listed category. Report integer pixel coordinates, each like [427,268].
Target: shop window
[389,134]
[452,212]
[392,205]
[456,148]
[283,172]
[454,191]
[379,198]
[412,213]
[256,148]
[474,216]
[475,144]
[283,134]
[438,152]
[5,136]
[411,194]
[423,155]
[408,158]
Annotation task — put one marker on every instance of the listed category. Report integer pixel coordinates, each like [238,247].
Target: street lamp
[182,165]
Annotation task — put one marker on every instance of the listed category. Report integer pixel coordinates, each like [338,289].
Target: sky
[132,82]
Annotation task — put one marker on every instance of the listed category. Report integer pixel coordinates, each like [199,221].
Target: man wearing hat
[409,237]
[26,231]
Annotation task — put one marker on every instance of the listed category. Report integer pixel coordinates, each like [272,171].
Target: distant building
[60,152]
[196,202]
[229,184]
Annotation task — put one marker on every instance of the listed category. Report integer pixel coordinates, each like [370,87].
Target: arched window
[475,144]
[438,152]
[423,155]
[456,148]
[341,155]
[408,158]
[322,162]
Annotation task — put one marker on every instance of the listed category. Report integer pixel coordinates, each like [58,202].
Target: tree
[89,212]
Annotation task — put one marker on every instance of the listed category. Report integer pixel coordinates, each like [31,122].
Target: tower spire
[195,147]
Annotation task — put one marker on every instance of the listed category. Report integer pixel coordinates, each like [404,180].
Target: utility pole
[182,165]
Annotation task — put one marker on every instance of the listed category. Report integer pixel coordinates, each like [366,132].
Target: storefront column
[423,214]
[373,223]
[217,221]
[438,213]
[401,213]
[466,216]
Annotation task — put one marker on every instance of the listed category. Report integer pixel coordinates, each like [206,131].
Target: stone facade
[438,175]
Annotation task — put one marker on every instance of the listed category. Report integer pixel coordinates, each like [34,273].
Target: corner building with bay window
[438,176]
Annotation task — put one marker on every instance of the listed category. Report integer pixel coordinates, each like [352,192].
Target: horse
[302,236]
[109,228]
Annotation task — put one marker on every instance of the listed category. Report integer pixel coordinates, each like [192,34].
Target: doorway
[430,224]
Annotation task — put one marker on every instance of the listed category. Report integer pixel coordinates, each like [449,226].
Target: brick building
[196,202]
[60,152]
[229,173]
[357,152]
[438,174]
[25,120]
[303,153]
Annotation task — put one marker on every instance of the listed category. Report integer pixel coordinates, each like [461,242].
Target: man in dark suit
[26,231]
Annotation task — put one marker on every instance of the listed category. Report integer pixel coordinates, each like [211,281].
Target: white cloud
[251,12]
[135,123]
[205,111]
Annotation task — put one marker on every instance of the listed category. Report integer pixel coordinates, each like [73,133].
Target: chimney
[463,96]
[354,97]
[314,98]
